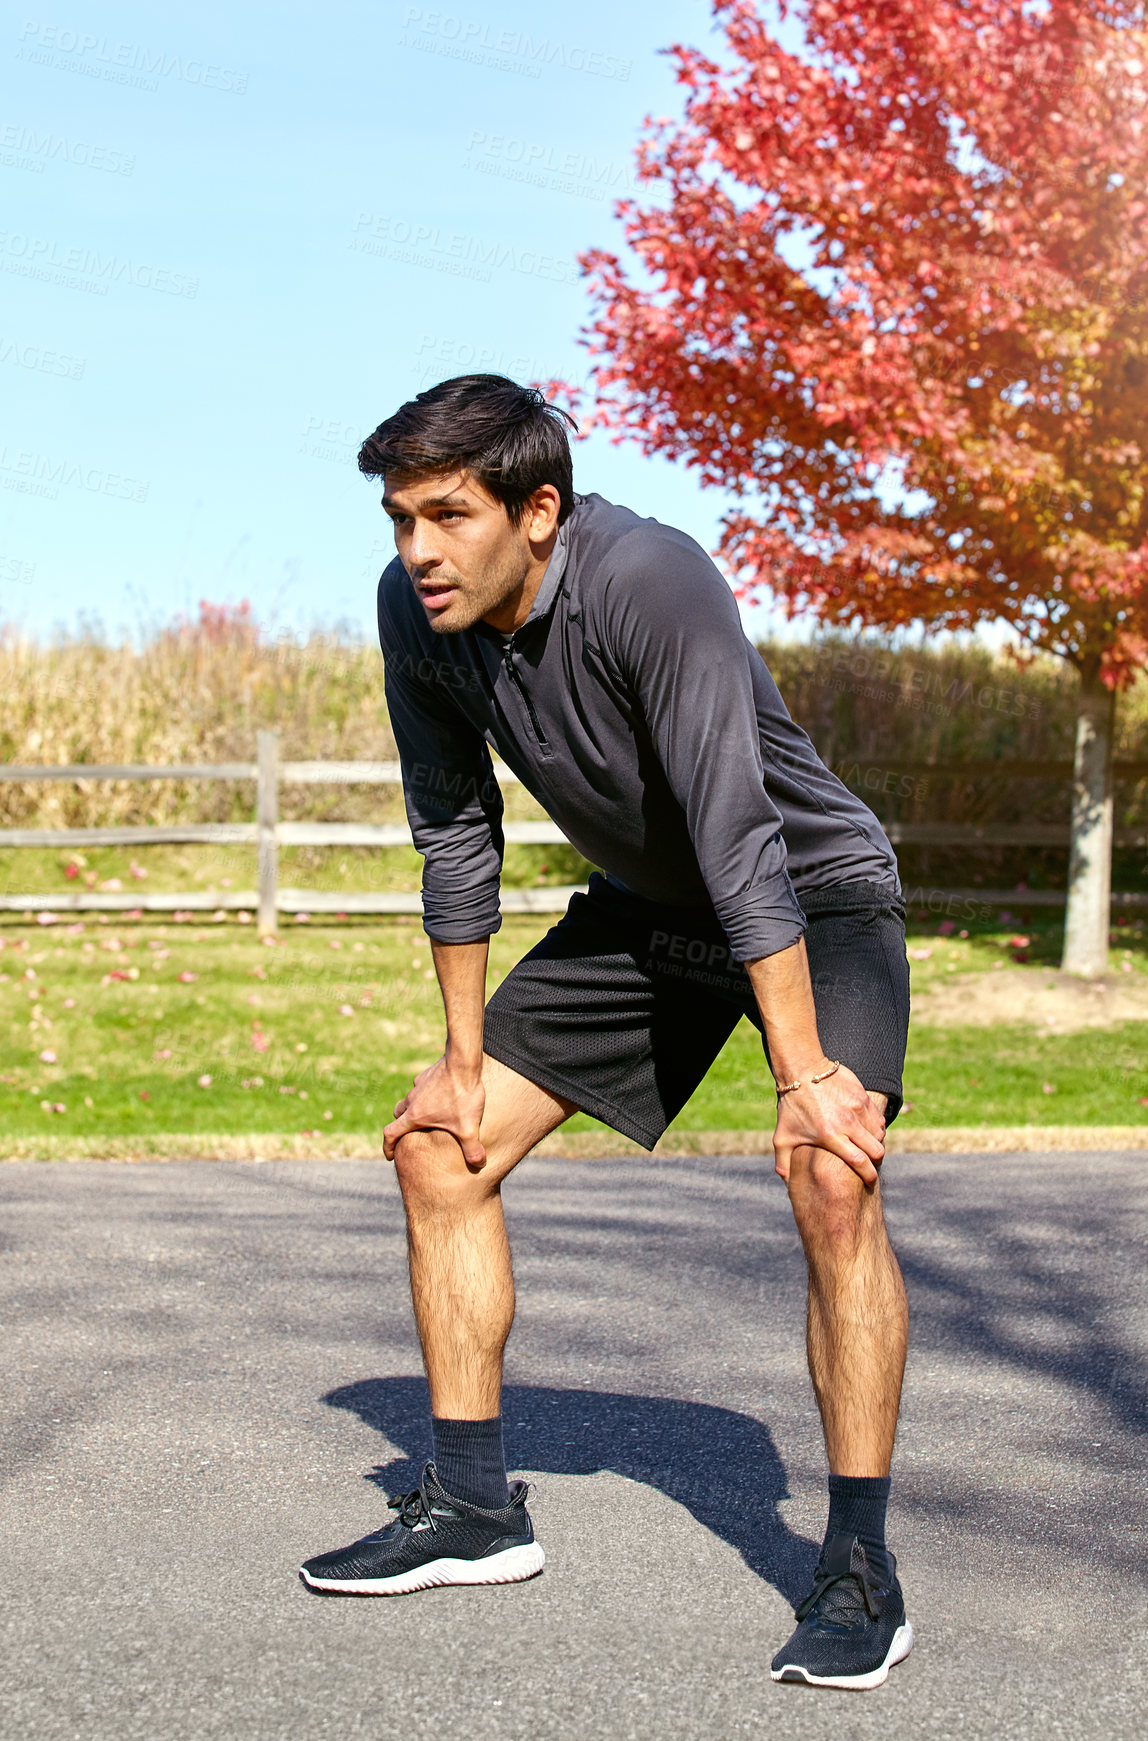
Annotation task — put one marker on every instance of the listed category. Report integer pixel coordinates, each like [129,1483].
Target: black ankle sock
[470,1461]
[857,1507]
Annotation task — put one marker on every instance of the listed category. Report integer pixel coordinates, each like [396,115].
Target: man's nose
[421,552]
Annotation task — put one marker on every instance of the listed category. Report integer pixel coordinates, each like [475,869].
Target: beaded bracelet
[834,1066]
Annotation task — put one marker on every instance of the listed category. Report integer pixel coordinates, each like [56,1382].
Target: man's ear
[542,514]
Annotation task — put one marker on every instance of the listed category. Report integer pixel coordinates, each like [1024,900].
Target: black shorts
[625,1003]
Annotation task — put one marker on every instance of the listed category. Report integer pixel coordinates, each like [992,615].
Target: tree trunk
[1090,858]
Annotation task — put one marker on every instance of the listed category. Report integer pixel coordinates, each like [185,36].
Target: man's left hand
[836,1115]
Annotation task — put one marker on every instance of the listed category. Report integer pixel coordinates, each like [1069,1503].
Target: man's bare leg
[852,1627]
[857,1329]
[462,1283]
[463,1290]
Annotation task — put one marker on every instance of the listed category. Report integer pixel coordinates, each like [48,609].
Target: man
[603,657]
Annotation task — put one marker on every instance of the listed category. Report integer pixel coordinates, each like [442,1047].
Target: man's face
[466,560]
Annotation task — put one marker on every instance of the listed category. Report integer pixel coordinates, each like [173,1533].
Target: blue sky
[234,238]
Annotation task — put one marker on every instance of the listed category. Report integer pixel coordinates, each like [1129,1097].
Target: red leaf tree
[892,293]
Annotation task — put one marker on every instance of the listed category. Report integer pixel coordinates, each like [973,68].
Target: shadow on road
[722,1466]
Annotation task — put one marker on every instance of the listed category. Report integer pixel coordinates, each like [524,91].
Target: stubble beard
[490,589]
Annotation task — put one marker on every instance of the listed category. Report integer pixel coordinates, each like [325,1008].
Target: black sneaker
[851,1627]
[434,1540]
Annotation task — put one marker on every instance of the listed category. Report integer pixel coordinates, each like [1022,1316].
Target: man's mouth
[437,594]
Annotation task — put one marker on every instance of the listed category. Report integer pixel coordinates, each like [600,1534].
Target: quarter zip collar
[552,579]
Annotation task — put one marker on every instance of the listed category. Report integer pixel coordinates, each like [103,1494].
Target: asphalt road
[210,1370]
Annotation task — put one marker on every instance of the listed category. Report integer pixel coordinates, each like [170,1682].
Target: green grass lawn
[963,1076]
[128,1027]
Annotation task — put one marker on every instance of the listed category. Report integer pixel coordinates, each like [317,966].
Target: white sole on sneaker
[511,1566]
[899,1649]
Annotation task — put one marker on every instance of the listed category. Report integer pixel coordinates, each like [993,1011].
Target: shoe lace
[841,1597]
[413,1508]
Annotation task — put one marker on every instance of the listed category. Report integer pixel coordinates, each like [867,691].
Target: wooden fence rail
[268,832]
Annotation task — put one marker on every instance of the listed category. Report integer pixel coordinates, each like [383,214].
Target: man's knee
[433,1173]
[830,1201]
[430,1165]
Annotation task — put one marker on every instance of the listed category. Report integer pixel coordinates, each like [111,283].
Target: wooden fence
[268,832]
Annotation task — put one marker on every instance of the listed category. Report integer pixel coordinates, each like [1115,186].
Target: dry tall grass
[195,692]
[199,691]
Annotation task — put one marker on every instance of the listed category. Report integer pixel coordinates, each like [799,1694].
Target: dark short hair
[509,438]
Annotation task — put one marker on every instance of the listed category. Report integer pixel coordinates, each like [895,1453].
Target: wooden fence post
[267,821]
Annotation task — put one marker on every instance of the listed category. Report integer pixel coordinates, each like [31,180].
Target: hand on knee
[431,1170]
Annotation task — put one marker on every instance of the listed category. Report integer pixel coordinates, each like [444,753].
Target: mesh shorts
[625,1003]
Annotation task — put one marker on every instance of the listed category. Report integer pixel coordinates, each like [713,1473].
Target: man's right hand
[442,1098]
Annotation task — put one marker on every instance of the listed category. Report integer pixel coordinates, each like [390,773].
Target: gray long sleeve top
[632,706]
